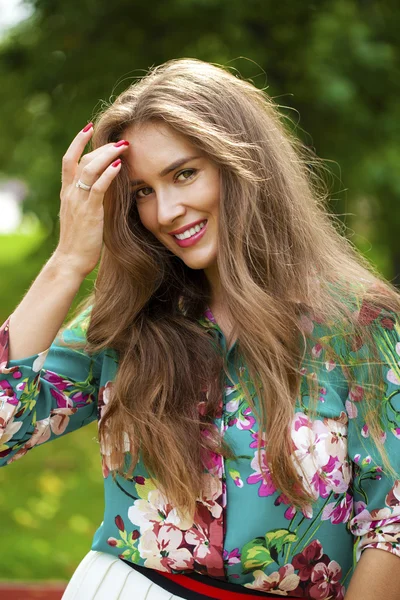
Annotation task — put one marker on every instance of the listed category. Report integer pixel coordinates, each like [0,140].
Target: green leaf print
[135,555]
[277,539]
[255,555]
[29,395]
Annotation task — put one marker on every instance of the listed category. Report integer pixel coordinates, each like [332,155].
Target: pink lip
[192,240]
[182,229]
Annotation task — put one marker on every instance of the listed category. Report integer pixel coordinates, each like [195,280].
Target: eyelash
[135,193]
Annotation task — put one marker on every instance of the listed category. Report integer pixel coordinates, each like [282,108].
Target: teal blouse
[244,530]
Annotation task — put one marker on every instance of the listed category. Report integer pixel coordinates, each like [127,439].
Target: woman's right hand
[82,212]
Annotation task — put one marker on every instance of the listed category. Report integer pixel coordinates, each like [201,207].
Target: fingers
[93,164]
[103,182]
[73,154]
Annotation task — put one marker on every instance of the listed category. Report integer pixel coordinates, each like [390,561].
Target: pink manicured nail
[116,162]
[121,143]
[88,126]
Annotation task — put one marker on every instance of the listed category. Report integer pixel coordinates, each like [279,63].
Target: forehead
[154,146]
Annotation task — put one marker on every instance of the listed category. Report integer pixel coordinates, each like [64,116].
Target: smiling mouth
[191,232]
[189,238]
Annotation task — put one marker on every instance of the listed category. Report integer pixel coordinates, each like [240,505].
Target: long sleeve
[376,490]
[46,395]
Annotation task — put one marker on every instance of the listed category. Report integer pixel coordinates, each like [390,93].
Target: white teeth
[189,232]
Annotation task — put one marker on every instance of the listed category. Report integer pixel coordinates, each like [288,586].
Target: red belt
[177,584]
[213,592]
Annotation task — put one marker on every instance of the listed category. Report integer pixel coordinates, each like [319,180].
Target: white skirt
[102,576]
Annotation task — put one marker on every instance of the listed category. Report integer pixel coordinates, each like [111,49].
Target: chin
[198,263]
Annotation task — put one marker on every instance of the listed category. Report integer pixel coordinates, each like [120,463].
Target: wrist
[65,267]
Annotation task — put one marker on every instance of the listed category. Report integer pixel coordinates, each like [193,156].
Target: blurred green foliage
[332,66]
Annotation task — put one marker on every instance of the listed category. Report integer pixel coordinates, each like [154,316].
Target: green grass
[51,503]
[51,500]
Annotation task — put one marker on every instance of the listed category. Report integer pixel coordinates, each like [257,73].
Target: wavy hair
[280,255]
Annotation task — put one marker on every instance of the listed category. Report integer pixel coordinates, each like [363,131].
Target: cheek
[147,216]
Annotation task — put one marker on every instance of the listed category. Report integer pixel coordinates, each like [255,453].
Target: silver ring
[85,187]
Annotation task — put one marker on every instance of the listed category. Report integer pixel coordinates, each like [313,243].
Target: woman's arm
[36,321]
[376,577]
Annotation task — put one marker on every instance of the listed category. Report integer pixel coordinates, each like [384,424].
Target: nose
[169,208]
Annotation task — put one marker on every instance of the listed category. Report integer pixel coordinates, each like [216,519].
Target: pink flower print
[280,582]
[160,548]
[367,313]
[338,512]
[394,375]
[301,420]
[213,462]
[322,391]
[59,382]
[204,553]
[262,477]
[232,405]
[236,478]
[7,393]
[105,393]
[56,423]
[396,432]
[291,510]
[362,522]
[211,493]
[290,513]
[393,497]
[351,409]
[8,408]
[382,534]
[8,432]
[311,452]
[326,580]
[330,365]
[245,420]
[156,510]
[254,443]
[208,540]
[330,478]
[316,350]
[336,440]
[365,431]
[305,561]
[62,400]
[232,557]
[356,393]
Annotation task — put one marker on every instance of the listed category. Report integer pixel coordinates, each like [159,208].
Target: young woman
[242,359]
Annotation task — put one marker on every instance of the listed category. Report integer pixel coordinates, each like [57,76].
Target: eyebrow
[167,170]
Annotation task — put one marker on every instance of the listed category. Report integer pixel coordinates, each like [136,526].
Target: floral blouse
[244,530]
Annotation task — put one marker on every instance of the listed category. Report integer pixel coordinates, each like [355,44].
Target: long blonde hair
[280,255]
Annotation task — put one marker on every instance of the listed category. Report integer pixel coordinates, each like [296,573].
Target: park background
[331,65]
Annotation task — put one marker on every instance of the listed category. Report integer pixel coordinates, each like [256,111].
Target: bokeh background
[331,65]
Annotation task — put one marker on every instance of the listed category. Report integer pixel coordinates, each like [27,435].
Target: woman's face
[177,191]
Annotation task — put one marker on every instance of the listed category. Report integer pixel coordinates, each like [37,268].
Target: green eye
[191,172]
[136,193]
